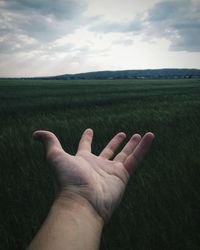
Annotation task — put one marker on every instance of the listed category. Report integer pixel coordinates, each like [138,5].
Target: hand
[98,179]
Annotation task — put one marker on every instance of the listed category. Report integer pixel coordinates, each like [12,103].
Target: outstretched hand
[98,179]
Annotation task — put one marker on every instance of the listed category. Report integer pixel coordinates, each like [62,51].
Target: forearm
[72,224]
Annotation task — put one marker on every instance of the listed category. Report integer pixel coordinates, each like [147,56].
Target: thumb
[49,140]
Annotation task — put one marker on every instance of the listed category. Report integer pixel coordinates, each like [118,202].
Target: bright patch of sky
[47,37]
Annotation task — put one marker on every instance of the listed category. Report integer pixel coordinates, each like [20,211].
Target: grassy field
[161,206]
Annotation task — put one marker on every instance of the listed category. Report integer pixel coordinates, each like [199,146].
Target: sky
[48,37]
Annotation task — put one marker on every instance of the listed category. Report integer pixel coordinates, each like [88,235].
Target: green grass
[161,206]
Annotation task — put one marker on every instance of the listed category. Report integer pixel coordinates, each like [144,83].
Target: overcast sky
[48,37]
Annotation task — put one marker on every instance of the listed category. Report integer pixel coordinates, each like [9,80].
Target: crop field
[161,206]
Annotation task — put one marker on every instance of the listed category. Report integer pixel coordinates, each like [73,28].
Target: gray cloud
[11,43]
[28,24]
[177,21]
[60,9]
[165,10]
[101,25]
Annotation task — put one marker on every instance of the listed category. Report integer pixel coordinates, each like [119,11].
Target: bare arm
[72,224]
[89,188]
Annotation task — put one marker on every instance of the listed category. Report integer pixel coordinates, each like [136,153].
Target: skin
[88,188]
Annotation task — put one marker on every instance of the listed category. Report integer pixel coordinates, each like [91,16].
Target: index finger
[86,140]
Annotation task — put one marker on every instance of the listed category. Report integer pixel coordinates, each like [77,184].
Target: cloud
[11,43]
[165,10]
[106,26]
[28,24]
[177,21]
[60,9]
[29,35]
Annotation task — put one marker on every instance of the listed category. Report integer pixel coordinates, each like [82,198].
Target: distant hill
[128,74]
[133,74]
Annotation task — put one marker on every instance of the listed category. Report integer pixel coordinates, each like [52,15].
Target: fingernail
[89,131]
[122,135]
[136,136]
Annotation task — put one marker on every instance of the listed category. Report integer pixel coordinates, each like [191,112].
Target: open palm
[98,179]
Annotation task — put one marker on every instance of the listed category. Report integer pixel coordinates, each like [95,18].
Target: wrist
[79,208]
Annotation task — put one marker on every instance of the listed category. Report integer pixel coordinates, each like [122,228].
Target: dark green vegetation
[161,206]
